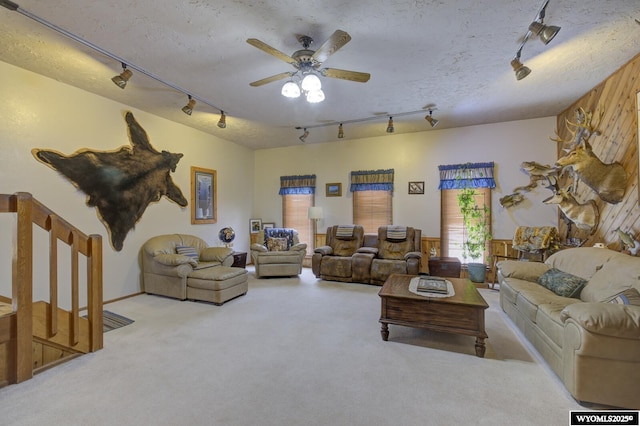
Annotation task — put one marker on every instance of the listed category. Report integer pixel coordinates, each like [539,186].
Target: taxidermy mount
[120,184]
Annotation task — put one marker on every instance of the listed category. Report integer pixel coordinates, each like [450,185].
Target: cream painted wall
[415,157]
[38,112]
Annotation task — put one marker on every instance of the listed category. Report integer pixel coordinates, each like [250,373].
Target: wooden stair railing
[17,330]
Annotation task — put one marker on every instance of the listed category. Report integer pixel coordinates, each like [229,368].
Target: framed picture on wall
[334,189]
[266,225]
[416,187]
[204,205]
[255,225]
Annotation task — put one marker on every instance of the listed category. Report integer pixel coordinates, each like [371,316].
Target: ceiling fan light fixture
[304,135]
[121,79]
[290,90]
[188,108]
[546,33]
[222,123]
[390,128]
[432,121]
[340,132]
[520,70]
[311,83]
[315,96]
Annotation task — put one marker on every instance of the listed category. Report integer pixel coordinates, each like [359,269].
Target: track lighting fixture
[304,135]
[431,120]
[390,128]
[520,70]
[188,108]
[544,32]
[340,132]
[222,123]
[121,79]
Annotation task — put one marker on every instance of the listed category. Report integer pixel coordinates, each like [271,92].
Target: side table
[444,267]
[239,259]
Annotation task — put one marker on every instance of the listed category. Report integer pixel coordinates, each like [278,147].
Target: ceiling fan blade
[360,77]
[329,47]
[271,51]
[271,79]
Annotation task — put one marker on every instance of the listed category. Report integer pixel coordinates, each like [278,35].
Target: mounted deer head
[581,131]
[585,216]
[609,181]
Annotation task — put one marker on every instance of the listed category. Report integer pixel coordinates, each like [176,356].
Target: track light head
[121,79]
[390,128]
[520,70]
[432,121]
[546,33]
[304,135]
[188,108]
[340,132]
[222,123]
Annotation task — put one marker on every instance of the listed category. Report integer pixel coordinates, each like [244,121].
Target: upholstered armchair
[399,252]
[278,252]
[343,258]
[183,266]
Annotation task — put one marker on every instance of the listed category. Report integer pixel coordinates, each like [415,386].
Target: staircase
[38,335]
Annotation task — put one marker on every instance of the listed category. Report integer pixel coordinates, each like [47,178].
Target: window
[372,198]
[298,194]
[372,209]
[453,178]
[451,226]
[294,215]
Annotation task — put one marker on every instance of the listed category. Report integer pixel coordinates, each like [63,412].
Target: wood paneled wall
[618,141]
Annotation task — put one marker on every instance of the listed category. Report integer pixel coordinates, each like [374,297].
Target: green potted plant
[476,221]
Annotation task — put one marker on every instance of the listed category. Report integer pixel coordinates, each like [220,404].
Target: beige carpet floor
[294,351]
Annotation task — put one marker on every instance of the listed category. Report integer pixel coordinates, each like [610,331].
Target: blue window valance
[372,180]
[468,175]
[303,184]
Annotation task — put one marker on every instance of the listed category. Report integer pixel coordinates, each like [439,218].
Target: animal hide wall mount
[120,184]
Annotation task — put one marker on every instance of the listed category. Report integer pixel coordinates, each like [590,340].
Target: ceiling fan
[307,62]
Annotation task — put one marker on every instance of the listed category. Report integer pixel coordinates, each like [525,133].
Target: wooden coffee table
[462,313]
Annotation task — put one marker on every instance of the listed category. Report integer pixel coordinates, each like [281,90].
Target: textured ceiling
[452,54]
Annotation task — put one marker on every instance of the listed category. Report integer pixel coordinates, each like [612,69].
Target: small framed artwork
[266,225]
[334,189]
[255,225]
[204,205]
[416,187]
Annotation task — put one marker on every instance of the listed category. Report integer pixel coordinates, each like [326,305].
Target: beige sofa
[204,274]
[590,340]
[273,261]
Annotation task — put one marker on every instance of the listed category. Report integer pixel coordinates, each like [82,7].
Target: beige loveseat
[592,339]
[203,273]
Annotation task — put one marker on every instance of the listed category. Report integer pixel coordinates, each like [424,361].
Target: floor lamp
[315,214]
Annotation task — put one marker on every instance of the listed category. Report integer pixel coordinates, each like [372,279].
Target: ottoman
[217,285]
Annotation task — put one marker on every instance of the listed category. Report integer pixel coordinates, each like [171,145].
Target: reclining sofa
[350,255]
[581,310]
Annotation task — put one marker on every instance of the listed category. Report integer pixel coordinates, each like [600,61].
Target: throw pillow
[188,251]
[277,244]
[562,283]
[630,296]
